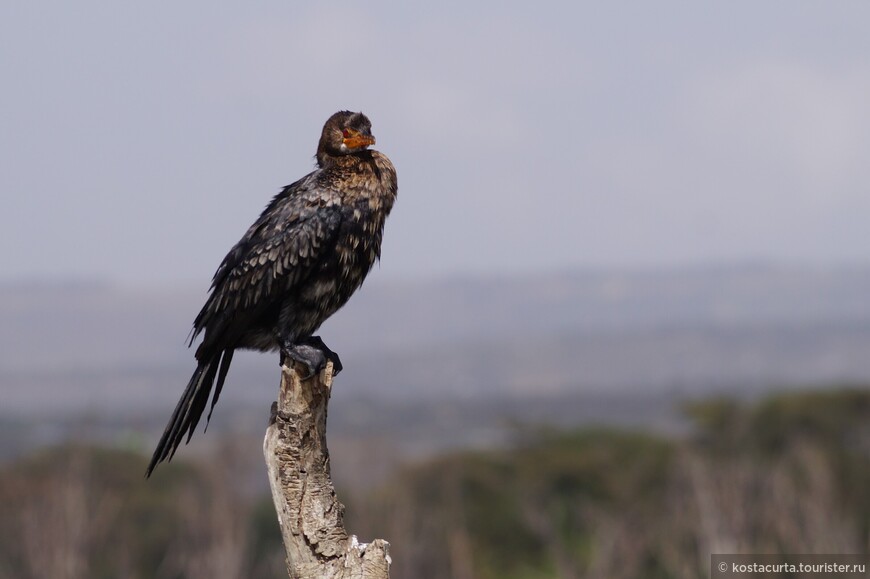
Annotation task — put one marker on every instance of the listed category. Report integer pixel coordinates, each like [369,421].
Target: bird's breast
[366,196]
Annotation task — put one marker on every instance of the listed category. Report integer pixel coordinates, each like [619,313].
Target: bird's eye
[345,133]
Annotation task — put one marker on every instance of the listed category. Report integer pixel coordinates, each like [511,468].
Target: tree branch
[309,512]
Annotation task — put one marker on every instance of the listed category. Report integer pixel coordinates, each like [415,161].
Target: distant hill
[92,346]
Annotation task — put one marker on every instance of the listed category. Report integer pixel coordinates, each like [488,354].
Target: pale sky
[139,140]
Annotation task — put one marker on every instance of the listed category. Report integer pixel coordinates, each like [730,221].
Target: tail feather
[199,401]
[226,360]
[190,407]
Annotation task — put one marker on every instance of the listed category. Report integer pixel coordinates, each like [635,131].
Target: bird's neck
[325,159]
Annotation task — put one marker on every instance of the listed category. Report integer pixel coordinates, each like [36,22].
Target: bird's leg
[312,352]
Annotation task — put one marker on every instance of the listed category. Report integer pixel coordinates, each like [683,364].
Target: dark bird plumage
[310,249]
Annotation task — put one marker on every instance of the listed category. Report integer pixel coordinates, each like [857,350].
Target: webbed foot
[312,353]
[316,342]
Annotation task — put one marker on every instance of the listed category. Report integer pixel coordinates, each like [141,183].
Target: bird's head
[344,133]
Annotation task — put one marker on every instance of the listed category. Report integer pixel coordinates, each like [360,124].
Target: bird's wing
[276,254]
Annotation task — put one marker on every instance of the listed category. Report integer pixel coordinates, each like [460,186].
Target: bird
[310,249]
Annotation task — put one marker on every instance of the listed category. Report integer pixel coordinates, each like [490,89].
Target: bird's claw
[313,354]
[313,359]
[317,342]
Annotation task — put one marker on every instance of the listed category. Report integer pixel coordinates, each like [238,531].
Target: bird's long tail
[192,404]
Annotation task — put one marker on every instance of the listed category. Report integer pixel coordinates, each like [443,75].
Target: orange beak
[359,141]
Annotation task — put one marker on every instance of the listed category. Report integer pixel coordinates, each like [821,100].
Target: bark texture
[309,512]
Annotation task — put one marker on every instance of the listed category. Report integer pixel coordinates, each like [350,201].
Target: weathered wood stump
[309,512]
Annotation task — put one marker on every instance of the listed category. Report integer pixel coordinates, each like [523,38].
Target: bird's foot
[313,354]
[316,342]
[312,358]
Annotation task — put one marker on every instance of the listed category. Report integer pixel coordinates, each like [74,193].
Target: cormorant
[311,248]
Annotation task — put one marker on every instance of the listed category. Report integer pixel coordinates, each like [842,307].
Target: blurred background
[622,318]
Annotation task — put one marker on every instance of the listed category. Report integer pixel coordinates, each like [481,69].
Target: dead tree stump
[309,512]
